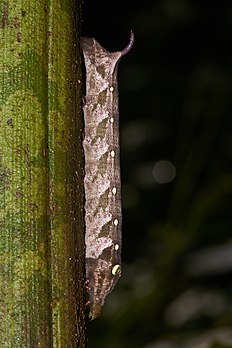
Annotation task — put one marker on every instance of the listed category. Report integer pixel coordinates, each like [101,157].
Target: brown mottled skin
[103,218]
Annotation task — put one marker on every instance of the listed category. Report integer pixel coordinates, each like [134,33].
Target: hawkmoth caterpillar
[102,185]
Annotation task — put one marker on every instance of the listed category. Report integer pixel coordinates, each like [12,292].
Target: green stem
[41,228]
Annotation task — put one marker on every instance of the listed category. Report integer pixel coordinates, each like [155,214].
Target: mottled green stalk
[40,171]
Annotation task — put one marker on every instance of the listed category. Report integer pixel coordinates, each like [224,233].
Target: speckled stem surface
[39,145]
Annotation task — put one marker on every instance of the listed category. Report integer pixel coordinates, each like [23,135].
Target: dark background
[176,156]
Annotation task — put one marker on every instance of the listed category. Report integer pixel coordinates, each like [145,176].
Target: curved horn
[130,44]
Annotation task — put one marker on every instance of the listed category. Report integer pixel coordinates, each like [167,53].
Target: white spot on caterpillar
[116,270]
[116,222]
[116,247]
[114,190]
[111,89]
[112,120]
[112,154]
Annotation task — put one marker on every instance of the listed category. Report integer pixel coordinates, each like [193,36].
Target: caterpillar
[102,185]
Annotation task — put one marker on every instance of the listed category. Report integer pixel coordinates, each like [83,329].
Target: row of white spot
[112,154]
[112,119]
[117,268]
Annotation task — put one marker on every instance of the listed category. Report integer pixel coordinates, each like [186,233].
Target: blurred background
[176,156]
